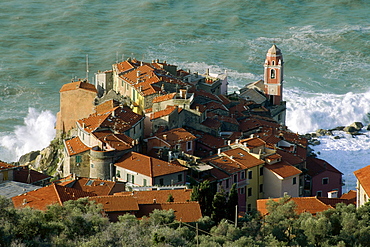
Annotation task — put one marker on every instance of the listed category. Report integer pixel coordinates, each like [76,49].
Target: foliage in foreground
[80,223]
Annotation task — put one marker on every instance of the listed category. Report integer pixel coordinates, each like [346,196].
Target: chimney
[231,157]
[219,151]
[197,108]
[229,142]
[208,71]
[138,74]
[165,137]
[183,93]
[236,141]
[154,201]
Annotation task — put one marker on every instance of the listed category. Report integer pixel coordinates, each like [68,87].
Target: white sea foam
[36,133]
[308,112]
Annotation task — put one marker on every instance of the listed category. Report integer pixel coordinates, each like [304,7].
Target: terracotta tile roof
[207,139]
[6,166]
[283,169]
[148,166]
[124,66]
[254,123]
[273,157]
[243,157]
[116,141]
[25,175]
[198,107]
[253,142]
[334,201]
[175,136]
[222,118]
[350,196]
[45,196]
[216,106]
[226,164]
[291,158]
[162,113]
[363,177]
[184,211]
[75,146]
[119,119]
[160,196]
[218,174]
[212,123]
[304,204]
[97,186]
[116,203]
[165,97]
[316,166]
[204,94]
[224,99]
[78,85]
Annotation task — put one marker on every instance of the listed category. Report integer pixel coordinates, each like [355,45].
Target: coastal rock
[350,130]
[357,125]
[339,128]
[315,142]
[368,127]
[29,157]
[323,132]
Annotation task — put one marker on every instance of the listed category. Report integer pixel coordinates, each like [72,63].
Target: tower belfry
[273,75]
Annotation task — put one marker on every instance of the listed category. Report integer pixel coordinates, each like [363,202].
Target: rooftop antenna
[87,67]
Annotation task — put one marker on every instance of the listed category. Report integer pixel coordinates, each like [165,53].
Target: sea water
[325,44]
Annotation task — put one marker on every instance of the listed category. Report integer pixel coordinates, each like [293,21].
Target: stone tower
[273,75]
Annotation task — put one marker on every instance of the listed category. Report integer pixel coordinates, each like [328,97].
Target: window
[261,170]
[179,177]
[249,191]
[78,159]
[249,207]
[144,182]
[294,180]
[242,175]
[325,180]
[178,146]
[227,183]
[92,165]
[161,181]
[132,179]
[261,188]
[272,74]
[89,183]
[273,62]
[188,146]
[128,177]
[235,178]
[319,193]
[250,174]
[118,175]
[242,190]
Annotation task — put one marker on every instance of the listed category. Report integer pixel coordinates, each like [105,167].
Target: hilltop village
[147,135]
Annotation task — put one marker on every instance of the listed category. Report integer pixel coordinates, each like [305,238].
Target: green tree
[219,206]
[170,198]
[203,194]
[232,202]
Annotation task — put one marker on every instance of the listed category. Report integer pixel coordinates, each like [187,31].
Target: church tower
[273,75]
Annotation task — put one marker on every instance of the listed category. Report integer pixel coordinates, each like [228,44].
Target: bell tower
[273,75]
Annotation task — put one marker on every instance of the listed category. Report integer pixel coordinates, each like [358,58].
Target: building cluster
[148,130]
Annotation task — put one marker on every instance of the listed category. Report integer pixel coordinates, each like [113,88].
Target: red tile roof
[45,196]
[160,196]
[25,175]
[175,136]
[78,85]
[162,113]
[97,186]
[316,166]
[6,166]
[212,123]
[208,140]
[243,157]
[184,211]
[291,158]
[253,142]
[119,119]
[148,166]
[165,97]
[304,204]
[75,146]
[116,203]
[117,141]
[225,164]
[283,169]
[363,177]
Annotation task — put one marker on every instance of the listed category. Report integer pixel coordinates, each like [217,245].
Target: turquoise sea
[325,44]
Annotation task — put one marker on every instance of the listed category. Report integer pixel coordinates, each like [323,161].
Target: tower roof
[274,51]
